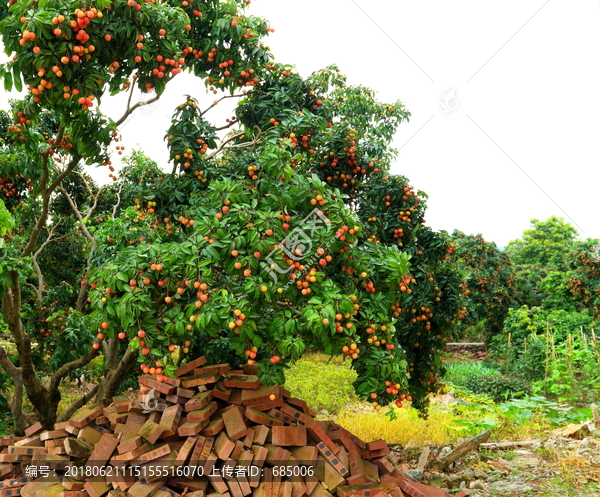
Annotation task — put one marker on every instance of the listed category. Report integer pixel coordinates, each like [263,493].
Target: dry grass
[407,429]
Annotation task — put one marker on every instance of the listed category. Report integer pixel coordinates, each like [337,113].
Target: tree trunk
[114,376]
[16,407]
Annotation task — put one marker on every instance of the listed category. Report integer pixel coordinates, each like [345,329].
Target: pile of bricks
[211,432]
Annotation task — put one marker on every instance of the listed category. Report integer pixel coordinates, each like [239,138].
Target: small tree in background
[490,282]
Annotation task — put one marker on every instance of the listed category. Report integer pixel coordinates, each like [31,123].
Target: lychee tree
[284,235]
[490,282]
[271,254]
[67,55]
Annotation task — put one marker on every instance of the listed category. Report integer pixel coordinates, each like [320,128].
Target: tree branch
[77,212]
[65,369]
[115,207]
[239,145]
[8,366]
[41,222]
[45,155]
[80,402]
[40,288]
[222,98]
[130,110]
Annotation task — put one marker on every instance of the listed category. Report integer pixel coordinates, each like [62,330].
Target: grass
[408,428]
[457,374]
[326,385]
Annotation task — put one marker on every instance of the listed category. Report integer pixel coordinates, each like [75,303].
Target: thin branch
[116,206]
[65,369]
[230,139]
[222,98]
[40,288]
[77,212]
[45,156]
[130,110]
[41,222]
[80,402]
[232,123]
[89,189]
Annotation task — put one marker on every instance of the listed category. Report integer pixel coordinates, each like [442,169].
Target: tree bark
[114,376]
[80,402]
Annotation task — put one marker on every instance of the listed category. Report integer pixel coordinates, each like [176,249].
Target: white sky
[517,142]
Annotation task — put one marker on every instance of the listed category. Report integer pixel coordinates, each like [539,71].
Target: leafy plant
[573,373]
[324,385]
[458,374]
[498,387]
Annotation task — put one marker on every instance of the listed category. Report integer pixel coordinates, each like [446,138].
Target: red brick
[85,416]
[331,457]
[89,436]
[140,489]
[385,466]
[201,379]
[320,491]
[96,486]
[151,431]
[49,435]
[245,381]
[356,479]
[214,368]
[260,434]
[260,455]
[207,449]
[262,418]
[298,404]
[197,451]
[161,451]
[223,446]
[237,450]
[234,424]
[185,392]
[220,391]
[29,442]
[328,475]
[103,450]
[132,444]
[186,450]
[198,401]
[318,435]
[170,420]
[363,490]
[307,455]
[267,406]
[214,427]
[249,438]
[261,394]
[281,416]
[190,429]
[151,382]
[34,429]
[204,413]
[186,368]
[289,435]
[234,488]
[285,489]
[372,454]
[370,470]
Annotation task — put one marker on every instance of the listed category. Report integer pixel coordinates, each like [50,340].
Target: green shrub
[534,332]
[323,385]
[498,387]
[573,372]
[457,374]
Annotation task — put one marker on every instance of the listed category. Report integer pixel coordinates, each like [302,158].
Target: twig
[130,110]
